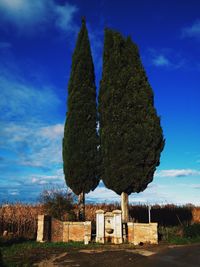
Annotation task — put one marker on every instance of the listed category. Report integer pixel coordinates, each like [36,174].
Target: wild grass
[177,240]
[20,220]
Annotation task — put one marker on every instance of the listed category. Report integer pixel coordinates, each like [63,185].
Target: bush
[192,231]
[59,204]
[167,233]
[1,260]
[180,234]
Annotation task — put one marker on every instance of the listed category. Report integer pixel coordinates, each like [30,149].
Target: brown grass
[21,220]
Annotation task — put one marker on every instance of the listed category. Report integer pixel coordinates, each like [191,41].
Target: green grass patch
[29,245]
[183,234]
[184,240]
[27,253]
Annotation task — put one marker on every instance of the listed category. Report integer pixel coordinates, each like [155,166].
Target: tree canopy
[80,136]
[131,137]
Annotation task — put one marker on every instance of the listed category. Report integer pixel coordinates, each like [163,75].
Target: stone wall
[56,230]
[142,233]
[50,229]
[76,231]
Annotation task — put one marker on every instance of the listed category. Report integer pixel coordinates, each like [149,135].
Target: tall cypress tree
[131,138]
[80,137]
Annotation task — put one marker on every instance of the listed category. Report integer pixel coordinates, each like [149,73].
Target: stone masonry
[142,233]
[58,231]
[109,226]
[108,229]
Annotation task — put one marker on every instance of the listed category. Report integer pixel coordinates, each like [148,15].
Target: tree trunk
[124,207]
[81,206]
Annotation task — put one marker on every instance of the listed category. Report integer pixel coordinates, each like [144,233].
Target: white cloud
[161,60]
[30,137]
[165,58]
[64,17]
[53,131]
[153,194]
[195,186]
[58,177]
[14,193]
[192,31]
[21,101]
[35,145]
[177,173]
[102,194]
[25,15]
[26,128]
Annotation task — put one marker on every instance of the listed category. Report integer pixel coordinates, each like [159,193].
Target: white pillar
[40,229]
[149,212]
[117,226]
[100,227]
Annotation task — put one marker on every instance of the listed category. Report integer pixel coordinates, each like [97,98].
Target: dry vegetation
[21,220]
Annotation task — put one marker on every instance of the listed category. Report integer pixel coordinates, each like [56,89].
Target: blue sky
[37,39]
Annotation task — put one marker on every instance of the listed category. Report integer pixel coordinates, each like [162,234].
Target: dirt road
[171,256]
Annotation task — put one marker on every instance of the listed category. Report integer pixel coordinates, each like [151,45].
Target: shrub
[59,204]
[167,233]
[1,260]
[192,231]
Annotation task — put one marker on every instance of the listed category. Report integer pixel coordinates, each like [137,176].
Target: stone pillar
[100,226]
[117,226]
[124,232]
[130,232]
[44,228]
[87,232]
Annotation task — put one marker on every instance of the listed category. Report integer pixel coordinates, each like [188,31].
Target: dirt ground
[153,256]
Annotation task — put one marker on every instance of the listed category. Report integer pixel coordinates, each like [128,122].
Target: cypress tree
[131,137]
[80,136]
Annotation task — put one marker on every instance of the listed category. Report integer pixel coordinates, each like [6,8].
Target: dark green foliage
[192,231]
[131,137]
[1,260]
[80,136]
[58,204]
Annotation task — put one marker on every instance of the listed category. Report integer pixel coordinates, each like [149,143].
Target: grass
[29,245]
[184,240]
[26,253]
[29,252]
